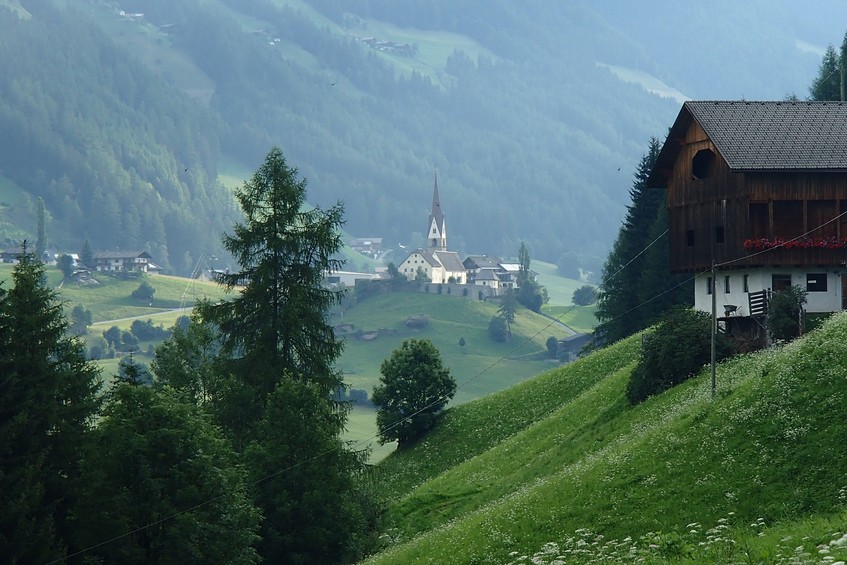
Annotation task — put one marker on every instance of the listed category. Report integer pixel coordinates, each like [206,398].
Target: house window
[780,282]
[816,282]
[726,284]
[708,285]
[703,164]
[746,283]
[759,219]
[719,234]
[689,238]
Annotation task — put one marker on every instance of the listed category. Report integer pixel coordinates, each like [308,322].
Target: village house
[10,255]
[757,202]
[370,246]
[348,278]
[485,270]
[122,261]
[437,263]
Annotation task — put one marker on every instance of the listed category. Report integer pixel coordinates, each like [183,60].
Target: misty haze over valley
[535,115]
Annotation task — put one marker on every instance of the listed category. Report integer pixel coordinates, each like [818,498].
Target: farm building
[758,190]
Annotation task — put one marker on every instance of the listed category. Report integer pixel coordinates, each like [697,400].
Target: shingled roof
[450,260]
[763,136]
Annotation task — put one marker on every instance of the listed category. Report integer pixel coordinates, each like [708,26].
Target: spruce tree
[166,487]
[508,309]
[47,406]
[827,85]
[618,296]
[657,289]
[41,239]
[86,256]
[317,511]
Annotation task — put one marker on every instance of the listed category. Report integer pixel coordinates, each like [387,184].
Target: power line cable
[639,254]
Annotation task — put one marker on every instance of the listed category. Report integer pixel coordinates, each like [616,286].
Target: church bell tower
[437,231]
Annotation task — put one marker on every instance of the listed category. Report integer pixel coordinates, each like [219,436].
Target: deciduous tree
[784,309]
[584,295]
[80,320]
[112,336]
[144,292]
[66,265]
[530,293]
[414,388]
[189,363]
[679,347]
[553,346]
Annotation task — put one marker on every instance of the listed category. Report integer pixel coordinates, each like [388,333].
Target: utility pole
[714,325]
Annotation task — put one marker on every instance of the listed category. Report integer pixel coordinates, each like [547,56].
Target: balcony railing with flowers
[762,243]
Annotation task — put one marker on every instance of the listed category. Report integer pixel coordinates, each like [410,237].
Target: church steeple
[437,231]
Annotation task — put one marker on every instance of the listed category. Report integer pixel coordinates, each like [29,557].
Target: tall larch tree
[278,322]
[277,345]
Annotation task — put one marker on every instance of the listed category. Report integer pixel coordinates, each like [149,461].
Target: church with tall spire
[435,262]
[437,238]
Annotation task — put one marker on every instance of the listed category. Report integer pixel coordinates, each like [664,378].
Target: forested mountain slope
[119,157]
[532,112]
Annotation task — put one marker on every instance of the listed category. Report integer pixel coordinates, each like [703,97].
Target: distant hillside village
[105,261]
[438,265]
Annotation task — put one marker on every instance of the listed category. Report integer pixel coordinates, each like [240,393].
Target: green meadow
[376,327]
[111,303]
[560,469]
[481,367]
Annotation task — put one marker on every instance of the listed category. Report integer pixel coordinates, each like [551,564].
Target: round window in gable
[703,164]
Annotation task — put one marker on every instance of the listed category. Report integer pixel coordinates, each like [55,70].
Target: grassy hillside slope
[481,367]
[767,452]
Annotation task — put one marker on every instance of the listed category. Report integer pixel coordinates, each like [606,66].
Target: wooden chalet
[758,189]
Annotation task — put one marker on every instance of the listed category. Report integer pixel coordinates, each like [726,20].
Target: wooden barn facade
[758,189]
